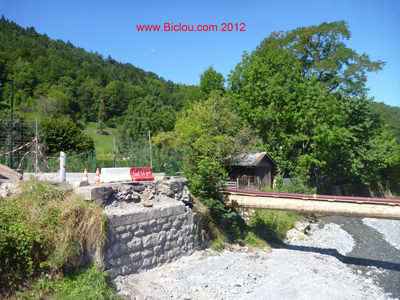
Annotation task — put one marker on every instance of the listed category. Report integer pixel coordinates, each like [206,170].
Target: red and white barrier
[39,175]
[141,174]
[19,148]
[126,174]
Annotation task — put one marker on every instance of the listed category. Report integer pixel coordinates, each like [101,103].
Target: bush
[85,283]
[41,228]
[63,135]
[205,184]
[270,224]
[297,186]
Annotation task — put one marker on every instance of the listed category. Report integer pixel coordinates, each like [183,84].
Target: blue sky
[110,29]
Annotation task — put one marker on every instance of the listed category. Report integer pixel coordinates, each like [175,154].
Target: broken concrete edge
[92,191]
[99,192]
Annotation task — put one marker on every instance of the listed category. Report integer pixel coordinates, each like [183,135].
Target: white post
[63,166]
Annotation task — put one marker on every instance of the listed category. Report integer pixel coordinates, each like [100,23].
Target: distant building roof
[251,159]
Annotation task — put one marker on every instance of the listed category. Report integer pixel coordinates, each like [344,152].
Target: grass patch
[43,230]
[272,225]
[85,283]
[104,144]
[219,243]
[265,227]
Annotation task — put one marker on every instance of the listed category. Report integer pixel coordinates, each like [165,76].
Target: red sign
[141,174]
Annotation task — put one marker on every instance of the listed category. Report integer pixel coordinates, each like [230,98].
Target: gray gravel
[390,229]
[309,269]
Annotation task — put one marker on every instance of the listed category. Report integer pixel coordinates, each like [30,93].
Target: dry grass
[44,229]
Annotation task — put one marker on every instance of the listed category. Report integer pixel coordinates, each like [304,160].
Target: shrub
[205,184]
[43,228]
[63,135]
[270,224]
[85,283]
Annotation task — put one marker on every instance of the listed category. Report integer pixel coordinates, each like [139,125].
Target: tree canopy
[211,80]
[50,71]
[210,128]
[303,93]
[322,53]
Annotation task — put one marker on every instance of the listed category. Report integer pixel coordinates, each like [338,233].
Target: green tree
[390,116]
[211,80]
[305,122]
[149,115]
[63,135]
[209,128]
[322,53]
[49,107]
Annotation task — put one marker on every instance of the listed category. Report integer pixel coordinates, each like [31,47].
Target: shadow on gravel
[345,259]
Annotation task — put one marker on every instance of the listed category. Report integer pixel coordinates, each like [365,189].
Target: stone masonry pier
[146,238]
[149,223]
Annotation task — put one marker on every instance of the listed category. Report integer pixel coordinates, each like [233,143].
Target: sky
[110,28]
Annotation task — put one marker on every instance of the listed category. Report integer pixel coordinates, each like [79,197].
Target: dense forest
[389,116]
[54,79]
[300,95]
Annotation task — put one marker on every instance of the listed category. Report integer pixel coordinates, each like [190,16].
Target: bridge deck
[319,204]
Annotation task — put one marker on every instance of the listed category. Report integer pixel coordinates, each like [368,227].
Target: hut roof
[250,159]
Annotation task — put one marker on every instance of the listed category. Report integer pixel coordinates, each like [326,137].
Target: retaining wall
[142,240]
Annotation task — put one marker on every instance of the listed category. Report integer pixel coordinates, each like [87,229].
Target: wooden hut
[251,169]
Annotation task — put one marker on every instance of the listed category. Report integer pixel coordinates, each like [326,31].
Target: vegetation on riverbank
[224,227]
[43,232]
[81,284]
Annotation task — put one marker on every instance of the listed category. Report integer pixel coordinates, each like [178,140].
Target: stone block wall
[141,240]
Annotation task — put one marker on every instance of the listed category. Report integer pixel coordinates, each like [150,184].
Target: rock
[302,226]
[4,193]
[293,235]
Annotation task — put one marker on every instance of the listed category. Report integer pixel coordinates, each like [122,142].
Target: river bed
[376,253]
[336,261]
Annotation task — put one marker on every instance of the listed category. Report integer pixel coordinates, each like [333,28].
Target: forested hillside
[307,108]
[53,78]
[389,116]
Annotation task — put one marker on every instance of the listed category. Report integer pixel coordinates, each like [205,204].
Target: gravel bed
[390,229]
[309,269]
